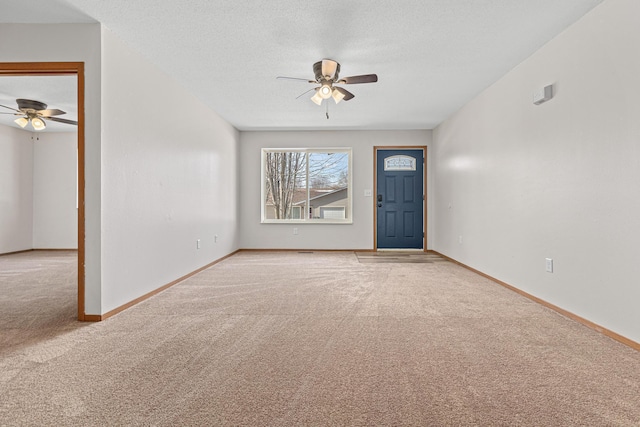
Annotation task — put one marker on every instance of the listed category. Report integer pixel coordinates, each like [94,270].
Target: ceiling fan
[35,112]
[327,76]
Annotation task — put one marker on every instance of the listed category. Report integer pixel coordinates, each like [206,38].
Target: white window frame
[305,220]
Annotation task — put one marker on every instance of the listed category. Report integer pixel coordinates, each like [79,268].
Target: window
[306,185]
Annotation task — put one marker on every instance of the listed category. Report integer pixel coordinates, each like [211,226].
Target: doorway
[400,198]
[61,69]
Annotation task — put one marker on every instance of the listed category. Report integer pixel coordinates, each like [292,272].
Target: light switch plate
[548,265]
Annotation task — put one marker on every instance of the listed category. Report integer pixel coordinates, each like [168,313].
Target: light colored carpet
[291,339]
[38,297]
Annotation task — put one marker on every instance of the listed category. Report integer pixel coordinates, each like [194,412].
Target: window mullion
[307,204]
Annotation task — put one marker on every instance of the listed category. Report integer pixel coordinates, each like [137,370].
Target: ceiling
[431,56]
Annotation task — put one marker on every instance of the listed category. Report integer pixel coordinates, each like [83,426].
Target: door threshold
[399,250]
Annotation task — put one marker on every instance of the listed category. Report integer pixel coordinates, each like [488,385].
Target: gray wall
[16,190]
[519,183]
[38,181]
[55,172]
[165,183]
[358,235]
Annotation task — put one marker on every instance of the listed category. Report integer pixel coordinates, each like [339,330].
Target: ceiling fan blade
[329,68]
[57,119]
[365,78]
[51,112]
[10,108]
[306,92]
[13,114]
[347,95]
[295,78]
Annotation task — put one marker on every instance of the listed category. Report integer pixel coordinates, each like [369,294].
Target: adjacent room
[40,185]
[343,213]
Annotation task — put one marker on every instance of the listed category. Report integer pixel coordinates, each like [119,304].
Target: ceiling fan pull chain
[327,113]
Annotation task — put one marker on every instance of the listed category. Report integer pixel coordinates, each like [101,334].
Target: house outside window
[306,185]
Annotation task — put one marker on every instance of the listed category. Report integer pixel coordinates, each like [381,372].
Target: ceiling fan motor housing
[28,104]
[317,71]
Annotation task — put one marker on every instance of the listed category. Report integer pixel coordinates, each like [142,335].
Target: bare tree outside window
[328,170]
[306,185]
[283,175]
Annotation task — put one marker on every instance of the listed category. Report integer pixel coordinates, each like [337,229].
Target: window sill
[306,221]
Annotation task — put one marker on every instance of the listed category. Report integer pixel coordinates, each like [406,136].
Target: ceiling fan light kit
[337,95]
[326,74]
[325,91]
[317,97]
[38,123]
[22,121]
[36,112]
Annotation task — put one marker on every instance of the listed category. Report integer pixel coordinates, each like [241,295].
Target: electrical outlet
[198,244]
[295,230]
[459,239]
[548,265]
[215,239]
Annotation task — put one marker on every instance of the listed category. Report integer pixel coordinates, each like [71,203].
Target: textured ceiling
[431,56]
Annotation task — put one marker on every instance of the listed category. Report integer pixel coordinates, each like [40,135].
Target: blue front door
[399,199]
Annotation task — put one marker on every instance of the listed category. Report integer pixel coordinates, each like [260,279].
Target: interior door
[399,199]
